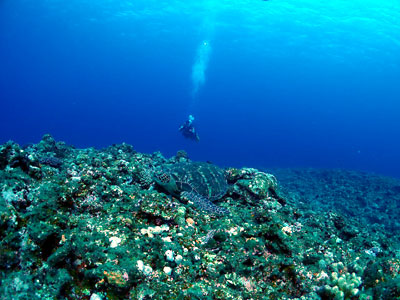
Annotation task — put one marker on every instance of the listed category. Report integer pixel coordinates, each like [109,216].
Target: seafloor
[93,224]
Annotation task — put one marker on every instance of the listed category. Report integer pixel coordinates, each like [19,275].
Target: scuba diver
[188,130]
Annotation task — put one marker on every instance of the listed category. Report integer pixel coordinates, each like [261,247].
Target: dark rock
[51,161]
[311,259]
[22,162]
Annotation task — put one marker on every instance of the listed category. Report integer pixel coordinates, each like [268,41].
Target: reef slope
[91,224]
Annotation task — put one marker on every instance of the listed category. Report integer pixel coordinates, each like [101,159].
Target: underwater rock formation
[85,224]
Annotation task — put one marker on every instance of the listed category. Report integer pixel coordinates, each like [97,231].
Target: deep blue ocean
[279,83]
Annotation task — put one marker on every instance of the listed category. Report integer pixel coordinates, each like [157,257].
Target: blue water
[279,83]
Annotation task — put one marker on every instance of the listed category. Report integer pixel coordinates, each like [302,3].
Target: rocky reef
[91,224]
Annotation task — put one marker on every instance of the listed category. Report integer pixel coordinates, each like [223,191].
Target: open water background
[279,83]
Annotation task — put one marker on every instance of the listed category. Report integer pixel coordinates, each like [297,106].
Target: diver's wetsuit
[188,131]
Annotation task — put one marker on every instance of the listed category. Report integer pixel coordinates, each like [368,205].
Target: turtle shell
[201,178]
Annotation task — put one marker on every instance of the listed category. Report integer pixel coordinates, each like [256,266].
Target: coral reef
[92,224]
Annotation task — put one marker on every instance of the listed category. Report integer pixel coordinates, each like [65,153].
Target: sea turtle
[200,182]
